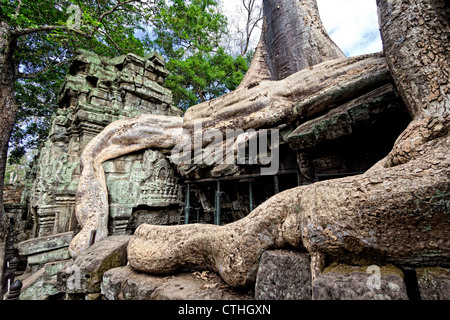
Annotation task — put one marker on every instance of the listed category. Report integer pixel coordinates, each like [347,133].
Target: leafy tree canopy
[47,33]
[188,34]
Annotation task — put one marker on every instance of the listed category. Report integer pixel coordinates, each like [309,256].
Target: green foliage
[188,33]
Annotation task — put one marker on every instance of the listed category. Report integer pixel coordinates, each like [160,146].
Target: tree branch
[89,35]
[16,14]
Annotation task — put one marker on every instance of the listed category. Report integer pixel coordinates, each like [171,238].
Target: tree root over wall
[396,212]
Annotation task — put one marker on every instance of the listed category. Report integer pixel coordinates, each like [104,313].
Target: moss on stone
[431,271]
[347,269]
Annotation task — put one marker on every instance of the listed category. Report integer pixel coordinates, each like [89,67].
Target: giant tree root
[117,139]
[271,103]
[398,215]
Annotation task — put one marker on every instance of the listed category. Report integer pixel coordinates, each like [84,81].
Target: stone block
[434,283]
[344,119]
[127,284]
[93,296]
[43,244]
[344,282]
[283,275]
[124,283]
[84,274]
[102,94]
[39,286]
[52,268]
[148,77]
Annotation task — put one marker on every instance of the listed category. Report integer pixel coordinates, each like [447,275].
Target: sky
[351,24]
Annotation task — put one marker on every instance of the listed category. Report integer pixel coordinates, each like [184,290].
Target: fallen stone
[124,283]
[84,274]
[49,256]
[38,286]
[127,284]
[44,244]
[434,283]
[41,284]
[283,275]
[344,282]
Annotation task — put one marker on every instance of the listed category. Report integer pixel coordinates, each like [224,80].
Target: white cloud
[351,24]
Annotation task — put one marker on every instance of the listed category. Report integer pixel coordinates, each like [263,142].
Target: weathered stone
[127,284]
[49,256]
[85,273]
[154,216]
[39,286]
[343,120]
[186,287]
[283,275]
[93,296]
[52,268]
[343,282]
[41,283]
[434,283]
[43,244]
[90,99]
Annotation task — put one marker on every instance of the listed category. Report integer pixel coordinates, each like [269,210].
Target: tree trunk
[415,38]
[292,39]
[8,107]
[265,106]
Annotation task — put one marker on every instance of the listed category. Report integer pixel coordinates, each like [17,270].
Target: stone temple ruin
[361,189]
[97,92]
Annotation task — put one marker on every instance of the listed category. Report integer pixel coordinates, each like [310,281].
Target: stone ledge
[44,244]
[343,282]
[84,274]
[127,284]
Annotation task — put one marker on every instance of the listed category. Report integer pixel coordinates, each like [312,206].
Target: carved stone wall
[143,179]
[96,92]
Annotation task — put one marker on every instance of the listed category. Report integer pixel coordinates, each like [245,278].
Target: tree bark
[267,105]
[119,138]
[8,107]
[292,39]
[397,212]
